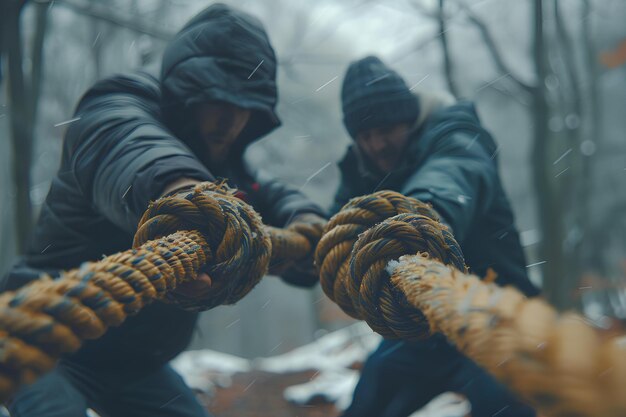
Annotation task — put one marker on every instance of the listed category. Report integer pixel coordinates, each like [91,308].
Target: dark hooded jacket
[133,137]
[451,162]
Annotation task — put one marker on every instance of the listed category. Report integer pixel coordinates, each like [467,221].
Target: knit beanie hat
[373,95]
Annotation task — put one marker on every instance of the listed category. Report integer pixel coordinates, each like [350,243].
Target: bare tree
[550,190]
[447,60]
[23,92]
[562,197]
[106,14]
[594,127]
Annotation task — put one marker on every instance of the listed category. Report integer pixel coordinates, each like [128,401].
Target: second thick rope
[559,363]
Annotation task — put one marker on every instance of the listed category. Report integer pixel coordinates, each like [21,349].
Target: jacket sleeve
[121,154]
[280,202]
[458,179]
[342,196]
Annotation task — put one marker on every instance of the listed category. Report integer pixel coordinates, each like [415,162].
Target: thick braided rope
[333,251]
[558,363]
[48,318]
[297,243]
[240,244]
[294,244]
[206,229]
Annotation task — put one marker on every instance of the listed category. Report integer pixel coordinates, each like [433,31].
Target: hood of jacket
[221,54]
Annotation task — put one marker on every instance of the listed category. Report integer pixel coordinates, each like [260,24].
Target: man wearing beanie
[436,151]
[136,138]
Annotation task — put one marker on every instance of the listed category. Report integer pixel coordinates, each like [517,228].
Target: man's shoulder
[462,111]
[454,125]
[140,84]
[137,80]
[121,96]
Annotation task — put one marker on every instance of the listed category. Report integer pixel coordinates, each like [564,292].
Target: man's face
[220,124]
[384,146]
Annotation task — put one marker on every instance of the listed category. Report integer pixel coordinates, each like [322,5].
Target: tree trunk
[21,129]
[595,127]
[23,94]
[447,61]
[576,199]
[548,195]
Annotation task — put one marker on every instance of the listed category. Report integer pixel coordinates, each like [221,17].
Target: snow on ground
[334,386]
[205,369]
[447,404]
[333,358]
[337,350]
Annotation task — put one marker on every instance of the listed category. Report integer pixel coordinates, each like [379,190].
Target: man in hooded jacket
[435,150]
[137,138]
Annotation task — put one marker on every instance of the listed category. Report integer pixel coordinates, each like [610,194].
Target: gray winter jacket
[451,162]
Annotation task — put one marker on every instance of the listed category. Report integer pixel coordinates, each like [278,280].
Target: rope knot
[361,240]
[373,295]
[333,251]
[238,247]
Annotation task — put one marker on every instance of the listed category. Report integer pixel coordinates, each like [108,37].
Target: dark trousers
[70,389]
[400,378]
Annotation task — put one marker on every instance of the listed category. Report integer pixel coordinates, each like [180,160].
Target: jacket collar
[429,104]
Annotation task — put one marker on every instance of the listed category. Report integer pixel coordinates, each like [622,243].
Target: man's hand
[303,273]
[198,288]
[178,184]
[309,218]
